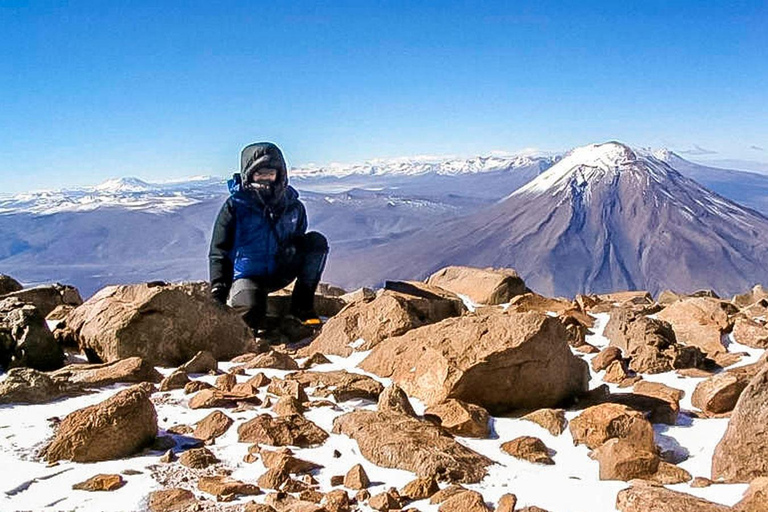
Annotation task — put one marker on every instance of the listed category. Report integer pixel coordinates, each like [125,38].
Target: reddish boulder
[742,453]
[164,324]
[363,325]
[482,286]
[500,361]
[118,427]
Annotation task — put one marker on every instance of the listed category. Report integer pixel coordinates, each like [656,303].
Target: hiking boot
[308,317]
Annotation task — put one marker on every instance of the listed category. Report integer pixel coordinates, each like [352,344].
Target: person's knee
[315,242]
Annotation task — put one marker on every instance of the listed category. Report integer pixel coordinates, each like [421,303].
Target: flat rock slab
[395,440]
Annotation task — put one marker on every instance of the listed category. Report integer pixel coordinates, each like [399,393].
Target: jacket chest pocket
[288,223]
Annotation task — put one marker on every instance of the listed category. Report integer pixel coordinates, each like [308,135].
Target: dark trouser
[249,295]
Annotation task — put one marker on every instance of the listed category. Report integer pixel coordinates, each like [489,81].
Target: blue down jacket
[249,237]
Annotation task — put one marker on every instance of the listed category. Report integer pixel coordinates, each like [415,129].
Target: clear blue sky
[159,89]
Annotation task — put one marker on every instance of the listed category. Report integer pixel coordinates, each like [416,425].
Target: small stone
[700,482]
[444,494]
[356,478]
[168,457]
[287,405]
[420,489]
[101,482]
[225,382]
[670,474]
[469,501]
[176,380]
[202,362]
[195,386]
[212,426]
[551,419]
[273,479]
[172,500]
[528,448]
[226,486]
[337,480]
[507,503]
[388,500]
[198,458]
[336,501]
[292,388]
[606,356]
[311,495]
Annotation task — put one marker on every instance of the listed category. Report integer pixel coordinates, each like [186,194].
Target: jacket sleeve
[301,226]
[219,257]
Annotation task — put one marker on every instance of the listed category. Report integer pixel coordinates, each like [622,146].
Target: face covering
[264,183]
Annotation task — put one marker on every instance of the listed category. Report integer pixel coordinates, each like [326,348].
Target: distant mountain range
[128,230]
[605,217]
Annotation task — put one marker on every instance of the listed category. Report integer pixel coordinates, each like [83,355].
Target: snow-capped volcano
[605,217]
[128,184]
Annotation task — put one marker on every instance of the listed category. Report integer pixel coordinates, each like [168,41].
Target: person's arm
[219,257]
[301,226]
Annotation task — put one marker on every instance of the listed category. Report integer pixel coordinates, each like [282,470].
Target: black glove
[220,294]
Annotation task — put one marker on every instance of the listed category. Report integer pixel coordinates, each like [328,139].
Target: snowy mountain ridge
[418,165]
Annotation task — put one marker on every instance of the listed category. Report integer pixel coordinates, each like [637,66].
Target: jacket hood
[263,155]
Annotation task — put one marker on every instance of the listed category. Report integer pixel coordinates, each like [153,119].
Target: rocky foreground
[467,392]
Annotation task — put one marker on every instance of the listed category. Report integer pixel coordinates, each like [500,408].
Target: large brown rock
[756,497]
[395,440]
[28,386]
[719,393]
[699,322]
[750,332]
[389,314]
[747,299]
[742,453]
[496,360]
[47,297]
[650,343]
[293,430]
[340,384]
[599,423]
[118,427]
[650,498]
[482,286]
[25,339]
[164,324]
[8,284]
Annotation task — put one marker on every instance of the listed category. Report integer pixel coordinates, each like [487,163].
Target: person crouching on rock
[260,243]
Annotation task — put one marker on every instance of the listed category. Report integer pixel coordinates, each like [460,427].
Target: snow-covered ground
[571,485]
